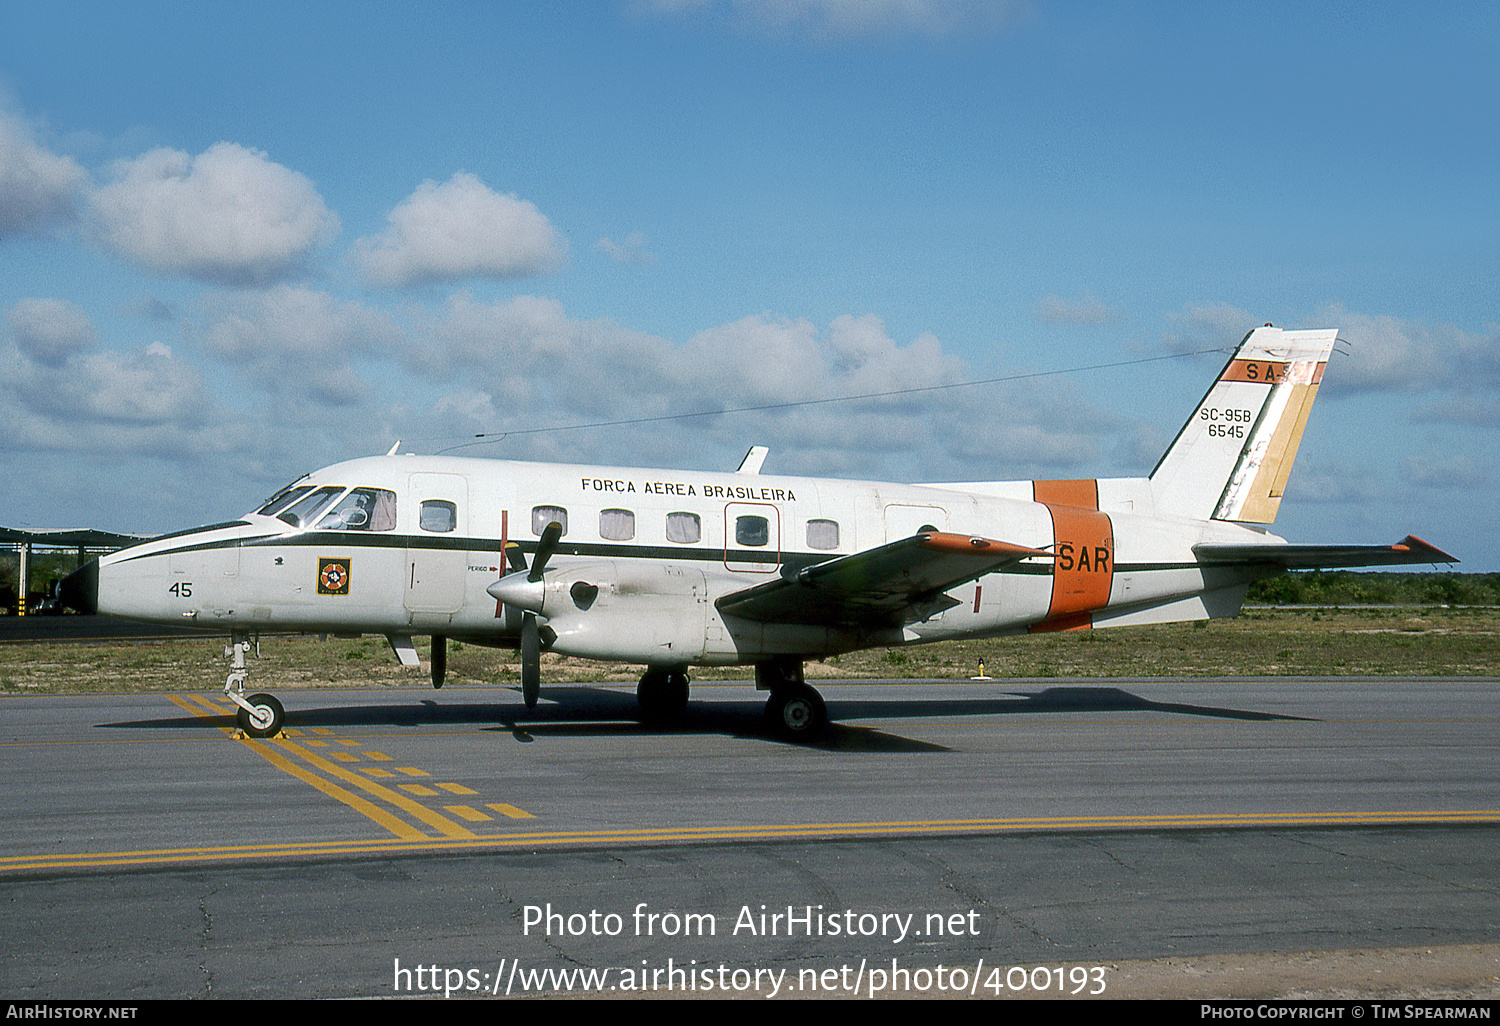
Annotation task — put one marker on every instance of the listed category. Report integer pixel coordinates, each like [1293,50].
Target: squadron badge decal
[333,576]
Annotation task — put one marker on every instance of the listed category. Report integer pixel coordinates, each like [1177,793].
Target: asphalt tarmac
[1019,830]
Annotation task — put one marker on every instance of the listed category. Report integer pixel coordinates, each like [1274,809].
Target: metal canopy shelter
[81,540]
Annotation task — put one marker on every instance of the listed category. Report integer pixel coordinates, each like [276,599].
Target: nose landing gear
[258,715]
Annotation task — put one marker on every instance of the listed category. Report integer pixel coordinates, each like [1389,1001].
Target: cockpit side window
[363,509]
[306,509]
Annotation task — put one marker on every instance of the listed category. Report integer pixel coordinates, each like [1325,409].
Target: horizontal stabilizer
[1411,549]
[892,585]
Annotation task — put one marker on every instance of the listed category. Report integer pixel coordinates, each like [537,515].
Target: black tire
[439,659]
[796,712]
[270,716]
[663,695]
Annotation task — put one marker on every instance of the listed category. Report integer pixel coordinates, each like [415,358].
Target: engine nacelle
[641,613]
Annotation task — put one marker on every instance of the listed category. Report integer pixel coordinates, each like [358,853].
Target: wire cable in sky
[491,437]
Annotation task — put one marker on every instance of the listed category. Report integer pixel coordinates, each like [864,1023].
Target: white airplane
[675,569]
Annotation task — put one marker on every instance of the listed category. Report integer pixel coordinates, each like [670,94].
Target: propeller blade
[516,558]
[544,550]
[531,660]
[439,659]
[531,641]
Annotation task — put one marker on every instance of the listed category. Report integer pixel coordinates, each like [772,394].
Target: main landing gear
[663,694]
[258,715]
[794,711]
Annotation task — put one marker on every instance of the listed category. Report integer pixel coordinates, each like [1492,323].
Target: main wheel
[266,720]
[663,695]
[797,712]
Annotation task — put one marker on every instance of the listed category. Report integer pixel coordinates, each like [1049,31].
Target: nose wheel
[263,718]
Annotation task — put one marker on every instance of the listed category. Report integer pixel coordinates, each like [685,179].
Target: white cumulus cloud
[631,251]
[106,401]
[524,366]
[296,341]
[230,215]
[38,189]
[1083,310]
[1390,354]
[1207,326]
[49,331]
[459,230]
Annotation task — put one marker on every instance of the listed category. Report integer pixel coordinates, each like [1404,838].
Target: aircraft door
[437,553]
[752,537]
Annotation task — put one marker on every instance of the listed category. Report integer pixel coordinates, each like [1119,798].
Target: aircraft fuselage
[661,547]
[673,569]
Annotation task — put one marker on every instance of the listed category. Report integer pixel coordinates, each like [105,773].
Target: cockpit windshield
[284,498]
[361,509]
[307,507]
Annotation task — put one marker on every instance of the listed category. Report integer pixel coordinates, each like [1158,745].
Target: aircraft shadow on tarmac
[594,712]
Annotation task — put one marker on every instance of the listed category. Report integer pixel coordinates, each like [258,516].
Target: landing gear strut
[258,715]
[794,711]
[663,694]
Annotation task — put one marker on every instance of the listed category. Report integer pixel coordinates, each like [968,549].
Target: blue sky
[239,241]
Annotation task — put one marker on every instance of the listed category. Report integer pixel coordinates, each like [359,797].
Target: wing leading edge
[1410,549]
[893,585]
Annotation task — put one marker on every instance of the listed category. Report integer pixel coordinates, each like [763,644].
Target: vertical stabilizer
[1232,458]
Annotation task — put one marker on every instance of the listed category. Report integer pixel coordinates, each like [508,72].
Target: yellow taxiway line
[766,832]
[268,750]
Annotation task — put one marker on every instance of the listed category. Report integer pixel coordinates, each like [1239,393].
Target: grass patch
[1261,642]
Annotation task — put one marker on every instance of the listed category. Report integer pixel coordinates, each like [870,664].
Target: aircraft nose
[80,589]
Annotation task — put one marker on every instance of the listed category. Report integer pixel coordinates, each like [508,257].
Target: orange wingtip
[970,545]
[1411,543]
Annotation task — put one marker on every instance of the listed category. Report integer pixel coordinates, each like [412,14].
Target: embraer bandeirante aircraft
[675,569]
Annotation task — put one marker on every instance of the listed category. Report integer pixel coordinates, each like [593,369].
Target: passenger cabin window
[363,509]
[752,530]
[822,534]
[306,509]
[684,528]
[616,525]
[438,515]
[541,516]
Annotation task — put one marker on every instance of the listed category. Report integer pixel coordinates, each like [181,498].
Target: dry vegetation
[1409,641]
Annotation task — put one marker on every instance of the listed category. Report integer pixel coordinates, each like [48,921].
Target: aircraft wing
[1411,549]
[892,585]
